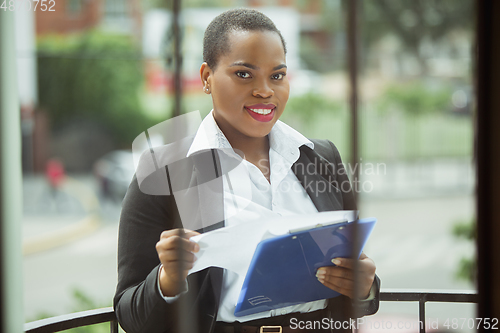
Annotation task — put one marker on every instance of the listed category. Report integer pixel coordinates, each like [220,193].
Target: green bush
[415,99]
[308,106]
[467,266]
[93,77]
[81,302]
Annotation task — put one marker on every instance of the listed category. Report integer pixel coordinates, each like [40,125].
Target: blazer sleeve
[138,303]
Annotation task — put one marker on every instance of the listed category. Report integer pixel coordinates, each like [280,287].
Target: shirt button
[283,312]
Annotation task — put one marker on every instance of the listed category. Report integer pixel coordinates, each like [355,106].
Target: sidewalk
[69,244]
[51,220]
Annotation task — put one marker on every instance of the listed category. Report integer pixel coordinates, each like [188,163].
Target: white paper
[233,247]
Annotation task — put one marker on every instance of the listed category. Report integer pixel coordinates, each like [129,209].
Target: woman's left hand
[341,277]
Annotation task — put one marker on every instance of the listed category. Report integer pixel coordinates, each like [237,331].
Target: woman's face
[249,86]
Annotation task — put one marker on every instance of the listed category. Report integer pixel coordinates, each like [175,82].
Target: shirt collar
[286,141]
[283,139]
[209,136]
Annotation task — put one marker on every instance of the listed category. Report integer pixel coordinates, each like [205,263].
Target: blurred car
[114,172]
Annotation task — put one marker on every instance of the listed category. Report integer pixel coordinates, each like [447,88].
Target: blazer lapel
[313,173]
[198,192]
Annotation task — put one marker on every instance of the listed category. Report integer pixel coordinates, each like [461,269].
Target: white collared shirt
[249,196]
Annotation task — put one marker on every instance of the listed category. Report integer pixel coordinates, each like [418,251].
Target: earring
[206,90]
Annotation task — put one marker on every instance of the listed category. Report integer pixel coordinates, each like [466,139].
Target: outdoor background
[94,74]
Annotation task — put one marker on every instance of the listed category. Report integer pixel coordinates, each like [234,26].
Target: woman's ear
[205,75]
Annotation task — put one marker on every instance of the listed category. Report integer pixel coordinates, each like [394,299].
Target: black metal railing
[424,297]
[97,316]
[73,320]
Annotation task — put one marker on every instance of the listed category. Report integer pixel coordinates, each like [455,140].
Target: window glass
[96,83]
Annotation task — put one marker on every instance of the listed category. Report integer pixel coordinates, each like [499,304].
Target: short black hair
[215,41]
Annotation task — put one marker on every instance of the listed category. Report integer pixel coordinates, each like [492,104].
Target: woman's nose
[263,90]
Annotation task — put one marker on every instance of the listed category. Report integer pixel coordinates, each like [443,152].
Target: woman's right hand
[176,253]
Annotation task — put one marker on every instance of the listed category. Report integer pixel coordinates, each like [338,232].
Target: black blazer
[138,303]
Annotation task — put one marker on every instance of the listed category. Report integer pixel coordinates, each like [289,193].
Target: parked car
[114,171]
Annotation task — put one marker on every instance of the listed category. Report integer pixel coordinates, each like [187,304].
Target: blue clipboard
[283,269]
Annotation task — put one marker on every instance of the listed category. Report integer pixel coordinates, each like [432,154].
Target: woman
[244,70]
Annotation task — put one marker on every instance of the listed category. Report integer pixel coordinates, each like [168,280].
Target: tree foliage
[415,21]
[92,77]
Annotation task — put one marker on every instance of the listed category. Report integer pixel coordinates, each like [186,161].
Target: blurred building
[72,16]
[297,20]
[158,43]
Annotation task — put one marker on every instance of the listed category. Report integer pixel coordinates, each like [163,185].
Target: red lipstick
[261,112]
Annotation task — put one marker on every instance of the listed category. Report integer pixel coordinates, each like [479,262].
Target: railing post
[113,326]
[421,313]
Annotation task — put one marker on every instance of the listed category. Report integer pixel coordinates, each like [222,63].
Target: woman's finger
[175,242]
[364,263]
[186,233]
[343,286]
[172,255]
[342,279]
[177,266]
[341,272]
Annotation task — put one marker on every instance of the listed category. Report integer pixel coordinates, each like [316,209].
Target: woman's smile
[261,112]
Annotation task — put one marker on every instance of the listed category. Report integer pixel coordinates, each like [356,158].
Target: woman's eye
[243,75]
[278,76]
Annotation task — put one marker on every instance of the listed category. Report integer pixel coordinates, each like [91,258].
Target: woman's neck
[255,149]
[252,148]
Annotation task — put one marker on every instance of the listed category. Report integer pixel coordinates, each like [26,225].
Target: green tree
[415,21]
[92,77]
